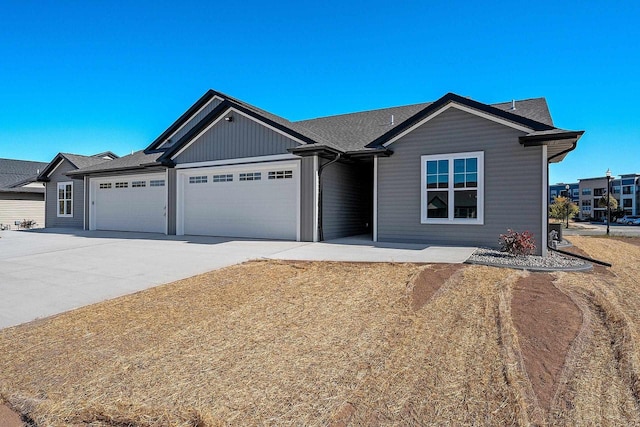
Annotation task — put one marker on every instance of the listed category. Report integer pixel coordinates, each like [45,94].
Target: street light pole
[567,201]
[608,199]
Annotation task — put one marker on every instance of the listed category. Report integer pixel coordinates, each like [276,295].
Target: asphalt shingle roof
[80,161]
[534,108]
[353,131]
[344,132]
[13,172]
[134,160]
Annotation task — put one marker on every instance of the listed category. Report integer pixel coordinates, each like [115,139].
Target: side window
[453,189]
[65,199]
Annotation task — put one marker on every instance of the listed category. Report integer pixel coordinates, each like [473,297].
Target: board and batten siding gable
[346,200]
[51,214]
[235,139]
[195,120]
[513,177]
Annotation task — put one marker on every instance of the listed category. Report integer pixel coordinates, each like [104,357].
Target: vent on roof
[513,104]
[392,120]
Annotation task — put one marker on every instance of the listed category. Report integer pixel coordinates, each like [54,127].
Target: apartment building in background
[587,192]
[560,189]
[625,189]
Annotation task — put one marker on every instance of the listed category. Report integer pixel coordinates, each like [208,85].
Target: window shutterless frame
[452,189]
[64,207]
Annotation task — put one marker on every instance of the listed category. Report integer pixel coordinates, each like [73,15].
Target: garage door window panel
[65,199]
[287,174]
[200,179]
[251,176]
[138,184]
[223,178]
[156,183]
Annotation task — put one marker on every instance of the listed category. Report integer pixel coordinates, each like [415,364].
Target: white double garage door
[260,200]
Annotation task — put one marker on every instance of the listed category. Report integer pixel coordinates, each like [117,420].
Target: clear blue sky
[90,76]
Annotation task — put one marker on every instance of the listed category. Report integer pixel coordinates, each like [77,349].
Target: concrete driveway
[45,272]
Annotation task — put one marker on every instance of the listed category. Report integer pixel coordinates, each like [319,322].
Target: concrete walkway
[45,272]
[362,249]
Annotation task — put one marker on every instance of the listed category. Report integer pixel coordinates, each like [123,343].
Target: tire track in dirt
[546,322]
[600,382]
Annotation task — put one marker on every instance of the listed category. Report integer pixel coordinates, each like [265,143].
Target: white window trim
[64,185]
[423,189]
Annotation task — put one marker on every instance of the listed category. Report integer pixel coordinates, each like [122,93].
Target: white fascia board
[233,110]
[239,160]
[189,119]
[62,159]
[461,108]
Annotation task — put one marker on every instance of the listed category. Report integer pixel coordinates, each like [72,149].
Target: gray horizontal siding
[240,138]
[51,212]
[191,123]
[307,198]
[513,182]
[346,200]
[171,201]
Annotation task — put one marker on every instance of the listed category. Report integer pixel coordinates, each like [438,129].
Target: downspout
[595,261]
[320,169]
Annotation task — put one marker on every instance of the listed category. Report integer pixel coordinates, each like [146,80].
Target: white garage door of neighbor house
[129,203]
[257,201]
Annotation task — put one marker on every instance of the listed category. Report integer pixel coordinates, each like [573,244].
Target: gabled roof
[137,160]
[76,160]
[509,116]
[14,173]
[280,123]
[356,134]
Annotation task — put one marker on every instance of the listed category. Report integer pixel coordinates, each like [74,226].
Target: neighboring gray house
[21,196]
[65,196]
[454,171]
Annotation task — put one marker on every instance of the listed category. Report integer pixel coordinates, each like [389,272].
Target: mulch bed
[547,321]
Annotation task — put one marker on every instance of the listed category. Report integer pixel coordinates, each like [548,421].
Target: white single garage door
[254,201]
[129,203]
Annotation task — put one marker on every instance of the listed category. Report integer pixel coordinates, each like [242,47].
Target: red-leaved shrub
[516,243]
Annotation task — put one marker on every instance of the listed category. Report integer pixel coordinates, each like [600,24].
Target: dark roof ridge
[373,110]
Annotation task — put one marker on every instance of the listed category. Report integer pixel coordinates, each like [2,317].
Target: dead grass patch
[311,343]
[602,386]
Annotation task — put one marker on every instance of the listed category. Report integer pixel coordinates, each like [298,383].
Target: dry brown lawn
[279,343]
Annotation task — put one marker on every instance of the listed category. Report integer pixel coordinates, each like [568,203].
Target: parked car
[634,222]
[627,219]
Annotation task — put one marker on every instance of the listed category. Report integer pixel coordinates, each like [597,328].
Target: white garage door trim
[148,177]
[182,177]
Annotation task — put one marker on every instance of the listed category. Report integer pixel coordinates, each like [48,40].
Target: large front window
[453,188]
[65,199]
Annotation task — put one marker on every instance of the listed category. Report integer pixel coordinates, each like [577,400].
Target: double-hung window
[452,190]
[65,199]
